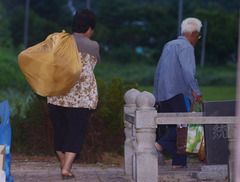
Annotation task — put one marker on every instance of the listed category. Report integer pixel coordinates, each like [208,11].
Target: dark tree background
[127,28]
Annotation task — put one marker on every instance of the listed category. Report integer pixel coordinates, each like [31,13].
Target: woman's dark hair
[82,20]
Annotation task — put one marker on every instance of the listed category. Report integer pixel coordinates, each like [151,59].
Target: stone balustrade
[140,122]
[2,156]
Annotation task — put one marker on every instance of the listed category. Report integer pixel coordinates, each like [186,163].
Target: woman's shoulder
[94,44]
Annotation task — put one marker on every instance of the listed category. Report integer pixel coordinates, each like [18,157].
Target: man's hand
[197,97]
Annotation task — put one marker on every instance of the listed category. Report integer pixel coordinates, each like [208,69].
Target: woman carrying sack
[69,111]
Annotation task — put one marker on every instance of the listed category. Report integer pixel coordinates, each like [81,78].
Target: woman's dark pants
[69,126]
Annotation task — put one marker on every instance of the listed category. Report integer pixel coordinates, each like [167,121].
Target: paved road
[27,171]
[82,175]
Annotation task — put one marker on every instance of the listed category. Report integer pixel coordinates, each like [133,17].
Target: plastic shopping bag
[5,137]
[194,137]
[190,139]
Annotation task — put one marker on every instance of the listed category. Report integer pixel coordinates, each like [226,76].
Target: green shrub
[33,133]
[11,75]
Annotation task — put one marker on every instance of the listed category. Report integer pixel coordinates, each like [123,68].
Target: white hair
[190,25]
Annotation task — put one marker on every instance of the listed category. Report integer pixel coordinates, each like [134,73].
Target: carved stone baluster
[129,108]
[146,155]
[231,144]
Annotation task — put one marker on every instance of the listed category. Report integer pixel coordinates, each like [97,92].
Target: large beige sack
[53,66]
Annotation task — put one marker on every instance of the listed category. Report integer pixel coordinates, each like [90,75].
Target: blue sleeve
[188,65]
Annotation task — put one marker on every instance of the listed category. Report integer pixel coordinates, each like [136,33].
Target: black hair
[83,20]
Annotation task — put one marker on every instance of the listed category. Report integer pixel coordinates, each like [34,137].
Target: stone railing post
[129,108]
[231,143]
[2,156]
[146,155]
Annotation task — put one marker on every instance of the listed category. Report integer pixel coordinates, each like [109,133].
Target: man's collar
[184,38]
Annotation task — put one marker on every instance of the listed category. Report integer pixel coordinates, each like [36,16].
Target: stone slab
[208,172]
[216,135]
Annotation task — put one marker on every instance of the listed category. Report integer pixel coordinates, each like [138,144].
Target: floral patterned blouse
[84,94]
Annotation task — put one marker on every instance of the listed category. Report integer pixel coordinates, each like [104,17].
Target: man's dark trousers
[169,141]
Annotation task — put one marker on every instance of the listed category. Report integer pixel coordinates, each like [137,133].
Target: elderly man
[174,81]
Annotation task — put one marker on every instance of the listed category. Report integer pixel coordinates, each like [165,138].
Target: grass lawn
[214,93]
[210,93]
